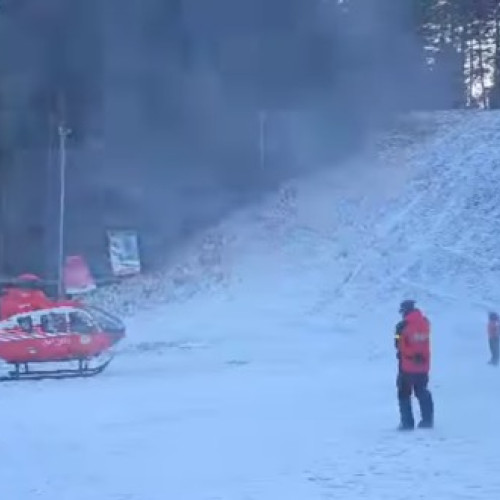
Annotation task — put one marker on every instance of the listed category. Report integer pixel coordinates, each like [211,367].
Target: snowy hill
[265,369]
[415,213]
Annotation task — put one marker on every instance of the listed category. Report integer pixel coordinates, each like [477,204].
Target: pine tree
[494,100]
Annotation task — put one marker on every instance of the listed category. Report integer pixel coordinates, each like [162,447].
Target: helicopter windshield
[106,321]
[81,322]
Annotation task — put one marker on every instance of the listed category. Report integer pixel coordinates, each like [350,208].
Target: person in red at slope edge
[494,337]
[412,343]
[25,296]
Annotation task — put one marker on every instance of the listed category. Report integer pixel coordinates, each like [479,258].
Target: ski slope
[274,377]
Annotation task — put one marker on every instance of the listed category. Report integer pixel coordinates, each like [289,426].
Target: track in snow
[311,415]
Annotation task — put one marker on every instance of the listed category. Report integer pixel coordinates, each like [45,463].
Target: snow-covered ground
[270,372]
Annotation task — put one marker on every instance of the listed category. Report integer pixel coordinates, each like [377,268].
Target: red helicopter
[67,339]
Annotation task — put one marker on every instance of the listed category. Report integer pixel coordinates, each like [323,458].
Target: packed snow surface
[270,371]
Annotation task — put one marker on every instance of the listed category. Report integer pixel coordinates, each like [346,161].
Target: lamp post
[63,133]
[262,138]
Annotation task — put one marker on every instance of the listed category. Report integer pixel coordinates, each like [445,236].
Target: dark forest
[166,101]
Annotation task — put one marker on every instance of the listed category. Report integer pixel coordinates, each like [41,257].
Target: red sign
[77,277]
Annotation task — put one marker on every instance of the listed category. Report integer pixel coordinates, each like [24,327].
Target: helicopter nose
[116,335]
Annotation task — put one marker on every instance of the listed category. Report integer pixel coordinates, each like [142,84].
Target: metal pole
[49,205]
[262,139]
[63,133]
[3,226]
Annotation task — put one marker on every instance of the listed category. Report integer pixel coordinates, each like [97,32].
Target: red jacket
[18,301]
[414,343]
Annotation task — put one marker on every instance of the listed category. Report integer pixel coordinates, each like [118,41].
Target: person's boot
[406,414]
[405,427]
[425,424]
[426,410]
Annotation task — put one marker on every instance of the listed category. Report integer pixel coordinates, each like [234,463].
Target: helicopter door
[54,323]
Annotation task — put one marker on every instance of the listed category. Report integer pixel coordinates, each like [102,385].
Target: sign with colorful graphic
[124,253]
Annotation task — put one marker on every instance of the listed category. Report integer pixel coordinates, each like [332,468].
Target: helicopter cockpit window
[106,321]
[54,323]
[80,323]
[26,324]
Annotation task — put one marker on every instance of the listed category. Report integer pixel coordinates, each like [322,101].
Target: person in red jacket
[494,337]
[25,296]
[413,352]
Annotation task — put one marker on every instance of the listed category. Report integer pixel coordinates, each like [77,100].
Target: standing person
[494,337]
[412,343]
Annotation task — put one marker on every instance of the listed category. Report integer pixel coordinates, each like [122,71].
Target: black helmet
[493,316]
[406,306]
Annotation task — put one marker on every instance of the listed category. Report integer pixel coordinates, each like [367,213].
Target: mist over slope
[165,100]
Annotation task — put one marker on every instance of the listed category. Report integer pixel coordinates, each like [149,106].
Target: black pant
[414,383]
[494,349]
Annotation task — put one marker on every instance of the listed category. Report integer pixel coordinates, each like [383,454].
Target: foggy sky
[164,97]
